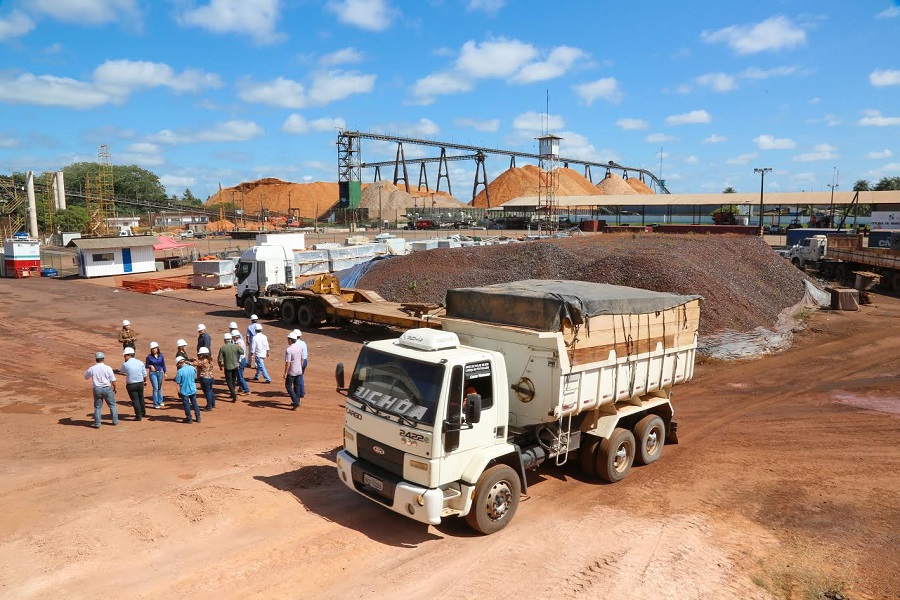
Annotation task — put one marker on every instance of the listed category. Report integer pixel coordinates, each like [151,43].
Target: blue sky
[223,91]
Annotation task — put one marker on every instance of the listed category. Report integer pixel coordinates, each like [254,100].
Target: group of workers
[234,356]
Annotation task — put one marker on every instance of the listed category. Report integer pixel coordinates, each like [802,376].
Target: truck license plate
[372,482]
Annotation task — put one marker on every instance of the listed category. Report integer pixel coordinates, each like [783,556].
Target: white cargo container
[443,423]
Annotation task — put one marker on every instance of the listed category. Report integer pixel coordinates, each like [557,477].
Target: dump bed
[572,346]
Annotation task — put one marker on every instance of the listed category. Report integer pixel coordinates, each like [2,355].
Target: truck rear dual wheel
[249,305]
[615,455]
[496,499]
[288,312]
[305,316]
[650,436]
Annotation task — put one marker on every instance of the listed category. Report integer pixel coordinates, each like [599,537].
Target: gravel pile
[743,282]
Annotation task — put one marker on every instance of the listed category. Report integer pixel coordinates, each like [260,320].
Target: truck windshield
[398,386]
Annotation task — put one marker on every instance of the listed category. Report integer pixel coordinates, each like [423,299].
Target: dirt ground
[785,484]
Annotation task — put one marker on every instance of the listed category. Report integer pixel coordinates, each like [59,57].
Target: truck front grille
[380,455]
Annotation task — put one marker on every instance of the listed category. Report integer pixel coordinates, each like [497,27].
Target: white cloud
[534,123]
[479,124]
[428,87]
[874,118]
[628,124]
[173,182]
[280,92]
[575,145]
[90,12]
[775,33]
[373,15]
[122,77]
[295,124]
[880,154]
[689,118]
[494,58]
[715,139]
[741,159]
[257,19]
[421,128]
[883,77]
[757,73]
[718,82]
[829,119]
[488,6]
[820,152]
[142,154]
[557,64]
[341,57]
[691,160]
[684,88]
[8,142]
[890,12]
[228,131]
[513,60]
[326,124]
[606,88]
[770,142]
[330,86]
[814,101]
[886,170]
[48,90]
[15,24]
[658,138]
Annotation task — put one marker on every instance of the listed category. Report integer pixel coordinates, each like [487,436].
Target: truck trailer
[443,423]
[838,256]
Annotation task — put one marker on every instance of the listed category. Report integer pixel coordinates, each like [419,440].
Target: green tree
[887,184]
[189,199]
[861,185]
[729,190]
[129,181]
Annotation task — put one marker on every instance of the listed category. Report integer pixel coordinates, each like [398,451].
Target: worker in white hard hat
[104,381]
[203,339]
[156,371]
[229,360]
[185,378]
[293,369]
[238,340]
[259,350]
[135,381]
[181,352]
[251,331]
[233,325]
[127,336]
[206,377]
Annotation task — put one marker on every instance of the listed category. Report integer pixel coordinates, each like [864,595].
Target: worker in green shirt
[229,360]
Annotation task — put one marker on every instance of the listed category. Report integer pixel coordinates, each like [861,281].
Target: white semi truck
[838,256]
[444,423]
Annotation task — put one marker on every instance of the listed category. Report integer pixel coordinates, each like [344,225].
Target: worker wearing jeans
[104,381]
[260,350]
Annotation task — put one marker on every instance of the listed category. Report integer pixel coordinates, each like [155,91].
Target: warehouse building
[103,257]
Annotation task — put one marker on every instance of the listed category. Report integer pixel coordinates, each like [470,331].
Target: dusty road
[786,480]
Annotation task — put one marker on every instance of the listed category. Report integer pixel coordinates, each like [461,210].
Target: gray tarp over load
[545,304]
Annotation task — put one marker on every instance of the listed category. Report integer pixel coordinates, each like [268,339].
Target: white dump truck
[444,423]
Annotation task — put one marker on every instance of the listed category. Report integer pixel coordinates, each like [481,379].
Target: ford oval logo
[377,449]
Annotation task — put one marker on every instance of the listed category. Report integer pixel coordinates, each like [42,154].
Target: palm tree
[862,185]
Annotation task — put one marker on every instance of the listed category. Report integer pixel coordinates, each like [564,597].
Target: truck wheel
[288,312]
[496,500]
[895,281]
[249,305]
[304,316]
[588,454]
[615,455]
[650,435]
[796,262]
[840,272]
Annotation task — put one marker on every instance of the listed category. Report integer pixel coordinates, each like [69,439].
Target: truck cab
[809,250]
[260,268]
[426,415]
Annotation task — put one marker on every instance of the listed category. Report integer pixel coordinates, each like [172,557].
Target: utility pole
[762,180]
[833,185]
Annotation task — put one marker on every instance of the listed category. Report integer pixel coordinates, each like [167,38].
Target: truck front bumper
[408,499]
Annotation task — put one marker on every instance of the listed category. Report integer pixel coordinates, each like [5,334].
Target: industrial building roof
[769,198]
[114,242]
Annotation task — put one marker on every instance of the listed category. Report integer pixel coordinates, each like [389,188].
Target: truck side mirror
[473,410]
[339,376]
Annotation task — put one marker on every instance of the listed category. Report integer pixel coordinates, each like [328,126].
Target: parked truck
[838,256]
[444,423]
[268,282]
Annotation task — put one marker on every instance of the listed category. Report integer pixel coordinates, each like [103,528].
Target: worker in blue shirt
[135,381]
[186,378]
[203,339]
